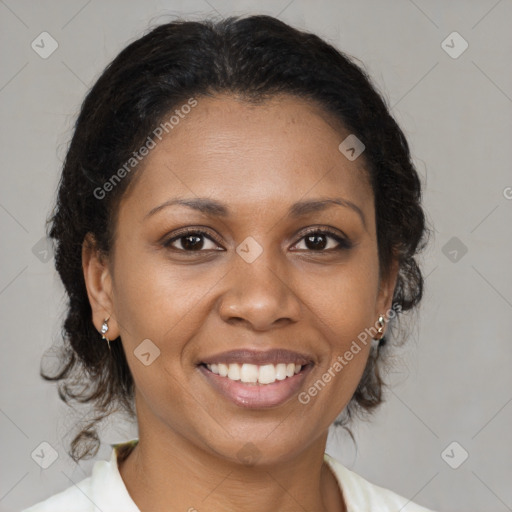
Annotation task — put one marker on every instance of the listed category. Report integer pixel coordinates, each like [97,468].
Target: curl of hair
[253,58]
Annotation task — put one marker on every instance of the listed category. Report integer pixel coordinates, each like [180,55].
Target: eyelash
[343,243]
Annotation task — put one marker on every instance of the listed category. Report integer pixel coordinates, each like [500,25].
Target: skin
[258,160]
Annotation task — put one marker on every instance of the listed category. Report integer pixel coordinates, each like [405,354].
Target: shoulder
[104,490]
[360,494]
[73,499]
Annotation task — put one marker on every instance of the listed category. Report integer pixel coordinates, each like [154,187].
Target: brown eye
[191,241]
[324,241]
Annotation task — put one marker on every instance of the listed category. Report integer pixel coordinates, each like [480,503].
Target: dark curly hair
[253,58]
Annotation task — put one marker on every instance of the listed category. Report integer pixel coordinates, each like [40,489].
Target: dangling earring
[380,330]
[104,329]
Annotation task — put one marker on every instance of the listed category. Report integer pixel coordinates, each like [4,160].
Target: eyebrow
[214,208]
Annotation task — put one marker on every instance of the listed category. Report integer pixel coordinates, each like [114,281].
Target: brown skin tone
[258,161]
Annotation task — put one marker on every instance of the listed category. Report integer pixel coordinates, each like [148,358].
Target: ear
[98,282]
[387,285]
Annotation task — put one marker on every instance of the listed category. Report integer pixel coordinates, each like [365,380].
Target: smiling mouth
[255,374]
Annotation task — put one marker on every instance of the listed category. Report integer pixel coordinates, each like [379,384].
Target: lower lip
[256,395]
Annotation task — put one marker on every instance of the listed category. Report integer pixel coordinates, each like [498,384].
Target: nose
[259,294]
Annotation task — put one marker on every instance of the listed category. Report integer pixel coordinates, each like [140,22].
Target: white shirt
[105,491]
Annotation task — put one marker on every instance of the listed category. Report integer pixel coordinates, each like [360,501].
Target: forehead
[251,156]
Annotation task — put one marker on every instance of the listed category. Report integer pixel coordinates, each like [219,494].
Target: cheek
[154,300]
[344,299]
[342,309]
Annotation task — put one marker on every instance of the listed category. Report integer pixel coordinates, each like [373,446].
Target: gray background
[452,379]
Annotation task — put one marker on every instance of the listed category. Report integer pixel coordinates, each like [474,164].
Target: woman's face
[258,288]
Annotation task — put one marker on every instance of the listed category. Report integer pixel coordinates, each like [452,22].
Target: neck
[171,474]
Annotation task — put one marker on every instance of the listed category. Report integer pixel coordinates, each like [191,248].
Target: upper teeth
[251,373]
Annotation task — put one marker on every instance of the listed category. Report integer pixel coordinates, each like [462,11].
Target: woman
[236,226]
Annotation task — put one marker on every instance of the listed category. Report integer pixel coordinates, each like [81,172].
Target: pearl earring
[380,330]
[104,329]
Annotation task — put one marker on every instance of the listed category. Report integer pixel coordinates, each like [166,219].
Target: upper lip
[259,357]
